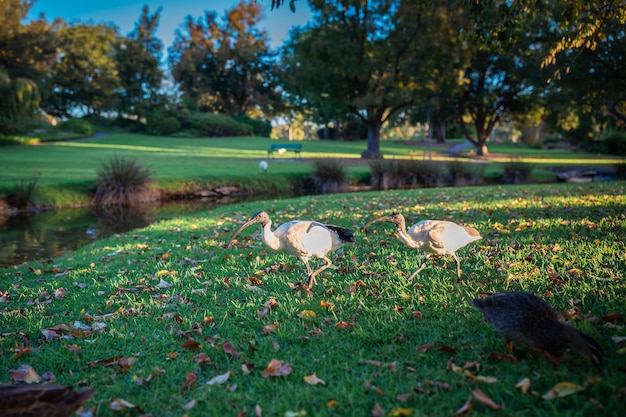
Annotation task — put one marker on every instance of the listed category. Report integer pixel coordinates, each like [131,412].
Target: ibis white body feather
[302,238]
[433,237]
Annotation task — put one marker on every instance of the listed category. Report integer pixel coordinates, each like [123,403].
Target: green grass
[154,289]
[69,169]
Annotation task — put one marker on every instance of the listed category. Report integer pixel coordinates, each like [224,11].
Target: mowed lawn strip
[168,320]
[67,171]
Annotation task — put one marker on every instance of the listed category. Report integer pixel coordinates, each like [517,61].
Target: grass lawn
[68,170]
[168,320]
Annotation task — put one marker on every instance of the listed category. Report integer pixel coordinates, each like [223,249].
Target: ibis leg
[323,267]
[420,268]
[458,267]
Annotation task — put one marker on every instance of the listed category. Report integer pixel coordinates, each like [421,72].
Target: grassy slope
[159,287]
[69,169]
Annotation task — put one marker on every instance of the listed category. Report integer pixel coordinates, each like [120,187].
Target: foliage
[162,123]
[615,142]
[9,140]
[368,73]
[399,173]
[22,195]
[85,76]
[464,173]
[77,125]
[123,181]
[138,59]
[216,125]
[226,68]
[258,127]
[329,176]
[165,321]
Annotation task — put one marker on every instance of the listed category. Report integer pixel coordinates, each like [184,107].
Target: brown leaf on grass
[424,348]
[404,397]
[465,409]
[343,325]
[171,356]
[277,368]
[202,359]
[191,379]
[523,385]
[447,349]
[479,378]
[21,351]
[307,314]
[377,411]
[269,328]
[613,318]
[417,314]
[400,412]
[502,357]
[219,379]
[230,349]
[482,398]
[327,304]
[562,389]
[317,332]
[191,404]
[25,374]
[74,348]
[59,293]
[392,366]
[119,404]
[192,345]
[246,367]
[313,379]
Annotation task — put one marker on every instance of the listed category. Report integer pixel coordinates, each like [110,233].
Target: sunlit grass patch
[154,315]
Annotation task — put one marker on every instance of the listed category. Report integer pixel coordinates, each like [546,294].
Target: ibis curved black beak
[249,222]
[379,219]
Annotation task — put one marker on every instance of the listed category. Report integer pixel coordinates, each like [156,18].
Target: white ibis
[433,237]
[301,238]
[527,319]
[263,166]
[49,400]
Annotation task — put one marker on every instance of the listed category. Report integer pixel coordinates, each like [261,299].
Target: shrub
[257,127]
[22,196]
[18,140]
[329,176]
[80,126]
[616,143]
[216,125]
[516,172]
[162,123]
[123,181]
[386,174]
[463,173]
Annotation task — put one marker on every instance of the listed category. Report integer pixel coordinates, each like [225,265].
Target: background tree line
[356,67]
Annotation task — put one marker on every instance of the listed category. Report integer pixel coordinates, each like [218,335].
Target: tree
[356,58]
[138,59]
[26,53]
[85,76]
[229,67]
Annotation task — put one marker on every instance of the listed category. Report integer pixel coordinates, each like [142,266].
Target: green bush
[81,126]
[18,140]
[387,174]
[616,143]
[162,123]
[123,181]
[329,176]
[516,172]
[216,125]
[258,127]
[464,173]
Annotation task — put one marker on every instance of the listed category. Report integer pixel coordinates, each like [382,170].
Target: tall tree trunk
[373,141]
[440,131]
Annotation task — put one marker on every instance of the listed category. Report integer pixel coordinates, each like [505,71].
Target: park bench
[283,147]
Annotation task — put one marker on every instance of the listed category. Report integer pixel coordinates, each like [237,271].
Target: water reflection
[48,234]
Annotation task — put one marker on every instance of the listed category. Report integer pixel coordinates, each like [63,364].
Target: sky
[125,13]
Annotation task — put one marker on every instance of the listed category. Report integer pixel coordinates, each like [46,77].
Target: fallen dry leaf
[313,379]
[192,345]
[120,404]
[377,411]
[399,412]
[230,349]
[219,379]
[466,408]
[562,389]
[523,385]
[202,359]
[307,314]
[343,325]
[269,328]
[482,398]
[277,368]
[191,404]
[25,374]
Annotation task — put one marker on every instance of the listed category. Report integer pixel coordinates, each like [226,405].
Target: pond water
[49,234]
